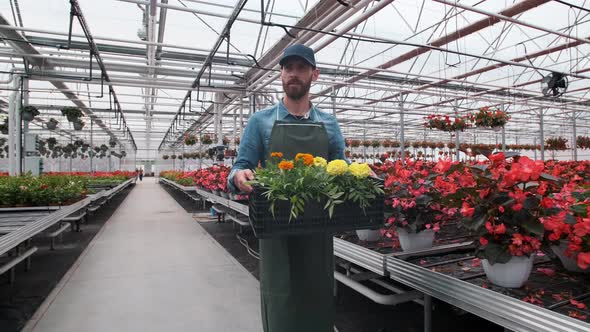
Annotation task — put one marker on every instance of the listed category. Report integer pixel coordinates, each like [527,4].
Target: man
[296,272]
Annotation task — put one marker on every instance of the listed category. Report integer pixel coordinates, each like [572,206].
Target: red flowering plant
[445,123]
[422,195]
[573,226]
[506,205]
[489,118]
[556,143]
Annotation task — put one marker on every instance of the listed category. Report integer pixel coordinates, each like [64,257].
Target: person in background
[141,175]
[296,272]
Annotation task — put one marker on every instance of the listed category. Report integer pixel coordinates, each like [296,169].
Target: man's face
[297,75]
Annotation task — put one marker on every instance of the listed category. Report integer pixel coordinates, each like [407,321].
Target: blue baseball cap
[298,50]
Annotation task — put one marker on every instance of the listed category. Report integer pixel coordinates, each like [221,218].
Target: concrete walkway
[152,268]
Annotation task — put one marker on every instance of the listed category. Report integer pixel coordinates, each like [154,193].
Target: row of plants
[53,188]
[206,139]
[213,179]
[515,206]
[28,113]
[483,118]
[199,155]
[552,143]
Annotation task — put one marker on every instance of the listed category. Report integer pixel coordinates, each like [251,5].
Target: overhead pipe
[208,61]
[17,42]
[516,9]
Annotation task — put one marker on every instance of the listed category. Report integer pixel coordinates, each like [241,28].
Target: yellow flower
[337,167]
[319,162]
[360,170]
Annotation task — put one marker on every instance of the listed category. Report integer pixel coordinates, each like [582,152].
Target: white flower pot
[415,241]
[512,274]
[569,263]
[368,235]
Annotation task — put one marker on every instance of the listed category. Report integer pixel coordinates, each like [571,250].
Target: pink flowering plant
[422,196]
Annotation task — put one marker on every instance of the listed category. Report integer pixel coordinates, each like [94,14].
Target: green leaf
[569,219]
[531,202]
[495,253]
[580,210]
[482,168]
[511,154]
[478,221]
[548,177]
[534,226]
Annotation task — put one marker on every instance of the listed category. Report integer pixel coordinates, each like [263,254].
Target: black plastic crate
[346,217]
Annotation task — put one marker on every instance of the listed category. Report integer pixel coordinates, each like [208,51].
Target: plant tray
[346,217]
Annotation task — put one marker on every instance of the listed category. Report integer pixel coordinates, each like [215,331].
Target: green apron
[297,272]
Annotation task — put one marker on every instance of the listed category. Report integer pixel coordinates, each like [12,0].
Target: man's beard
[296,89]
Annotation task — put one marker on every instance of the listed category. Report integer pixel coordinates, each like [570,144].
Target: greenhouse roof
[163,68]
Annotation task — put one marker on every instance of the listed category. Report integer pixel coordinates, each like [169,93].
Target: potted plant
[486,118]
[556,143]
[237,140]
[206,139]
[71,113]
[445,123]
[583,142]
[78,124]
[165,157]
[4,127]
[103,148]
[173,156]
[307,194]
[505,206]
[568,234]
[112,143]
[190,140]
[421,200]
[28,113]
[52,124]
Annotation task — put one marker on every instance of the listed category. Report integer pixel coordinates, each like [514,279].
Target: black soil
[19,301]
[355,313]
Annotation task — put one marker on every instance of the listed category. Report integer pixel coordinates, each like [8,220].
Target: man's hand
[241,177]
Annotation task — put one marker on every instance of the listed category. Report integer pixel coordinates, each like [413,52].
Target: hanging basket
[78,125]
[28,113]
[51,124]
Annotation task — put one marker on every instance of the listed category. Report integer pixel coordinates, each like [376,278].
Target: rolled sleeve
[250,153]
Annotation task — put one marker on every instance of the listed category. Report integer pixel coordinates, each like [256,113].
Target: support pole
[427,313]
[503,139]
[71,156]
[402,137]
[535,147]
[457,142]
[25,127]
[91,145]
[18,143]
[542,134]
[333,102]
[575,142]
[12,142]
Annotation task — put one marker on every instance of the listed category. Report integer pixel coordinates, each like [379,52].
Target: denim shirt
[255,140]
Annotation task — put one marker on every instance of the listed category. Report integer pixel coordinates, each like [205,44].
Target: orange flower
[276,155]
[286,165]
[306,157]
